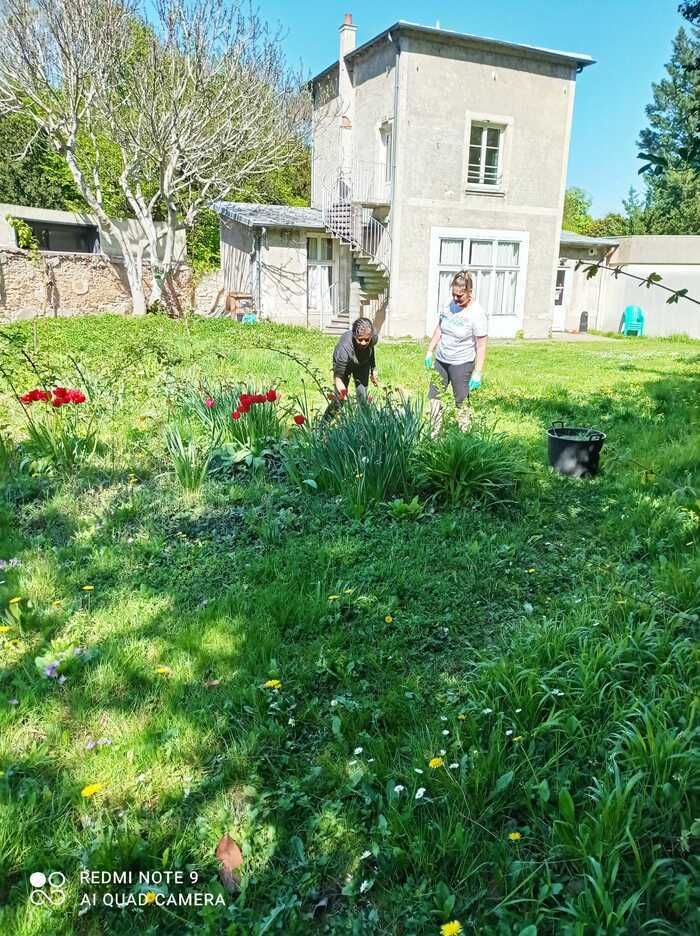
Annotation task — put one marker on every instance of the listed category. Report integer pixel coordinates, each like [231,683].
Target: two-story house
[433,151]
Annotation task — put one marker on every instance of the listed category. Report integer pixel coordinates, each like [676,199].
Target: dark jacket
[347,356]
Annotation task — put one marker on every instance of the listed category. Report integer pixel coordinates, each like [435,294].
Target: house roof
[273,216]
[572,239]
[578,59]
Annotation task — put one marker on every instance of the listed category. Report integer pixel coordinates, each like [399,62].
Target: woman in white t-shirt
[460,338]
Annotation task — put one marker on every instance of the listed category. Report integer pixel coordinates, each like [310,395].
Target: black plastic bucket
[574,451]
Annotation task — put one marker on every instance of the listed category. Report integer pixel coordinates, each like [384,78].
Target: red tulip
[271,396]
[235,415]
[299,419]
[244,407]
[246,399]
[209,403]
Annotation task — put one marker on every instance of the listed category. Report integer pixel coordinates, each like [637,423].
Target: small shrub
[462,467]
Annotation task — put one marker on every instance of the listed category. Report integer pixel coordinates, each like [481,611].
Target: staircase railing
[353,223]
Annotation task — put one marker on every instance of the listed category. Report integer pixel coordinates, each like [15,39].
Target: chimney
[347,35]
[346,93]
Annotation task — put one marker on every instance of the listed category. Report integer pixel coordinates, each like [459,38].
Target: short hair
[362,325]
[463,278]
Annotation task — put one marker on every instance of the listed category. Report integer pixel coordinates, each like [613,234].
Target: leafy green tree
[577,211]
[31,171]
[636,220]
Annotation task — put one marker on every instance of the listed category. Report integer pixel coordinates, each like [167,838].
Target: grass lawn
[543,656]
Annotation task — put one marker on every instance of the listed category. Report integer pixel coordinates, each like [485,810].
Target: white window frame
[386,136]
[504,124]
[500,326]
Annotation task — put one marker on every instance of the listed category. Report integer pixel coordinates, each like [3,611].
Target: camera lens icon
[52,896]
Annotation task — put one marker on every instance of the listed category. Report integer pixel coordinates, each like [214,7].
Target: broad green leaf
[503,782]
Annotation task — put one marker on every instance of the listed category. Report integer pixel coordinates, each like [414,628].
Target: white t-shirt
[459,328]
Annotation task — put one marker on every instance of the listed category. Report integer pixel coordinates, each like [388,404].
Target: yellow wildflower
[333,597]
[453,928]
[5,628]
[388,619]
[514,836]
[273,684]
[91,789]
[530,571]
[15,600]
[163,670]
[88,588]
[435,762]
[348,591]
[461,718]
[518,738]
[150,897]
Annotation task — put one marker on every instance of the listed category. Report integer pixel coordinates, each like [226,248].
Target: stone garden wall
[69,284]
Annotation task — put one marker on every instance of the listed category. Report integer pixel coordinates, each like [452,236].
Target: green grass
[549,649]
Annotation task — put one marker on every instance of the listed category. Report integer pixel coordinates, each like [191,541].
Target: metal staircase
[348,210]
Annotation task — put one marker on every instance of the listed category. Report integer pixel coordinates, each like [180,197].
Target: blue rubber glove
[428,362]
[475,383]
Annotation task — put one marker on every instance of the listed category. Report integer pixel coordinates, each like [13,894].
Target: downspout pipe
[395,149]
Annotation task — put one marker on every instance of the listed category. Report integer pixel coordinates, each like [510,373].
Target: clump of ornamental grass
[461,468]
[365,455]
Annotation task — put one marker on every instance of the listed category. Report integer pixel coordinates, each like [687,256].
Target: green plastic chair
[633,321]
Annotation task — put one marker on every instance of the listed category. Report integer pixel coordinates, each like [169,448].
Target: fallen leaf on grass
[230,860]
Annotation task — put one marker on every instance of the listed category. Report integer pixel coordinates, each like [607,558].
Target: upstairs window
[387,151]
[485,155]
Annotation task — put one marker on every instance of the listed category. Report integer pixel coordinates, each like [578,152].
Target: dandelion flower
[461,718]
[348,591]
[5,628]
[272,684]
[88,588]
[91,789]
[509,732]
[163,670]
[453,928]
[388,619]
[420,792]
[333,597]
[530,571]
[435,762]
[514,836]
[150,897]
[358,750]
[445,732]
[454,766]
[15,600]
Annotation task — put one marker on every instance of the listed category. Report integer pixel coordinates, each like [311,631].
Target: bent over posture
[460,338]
[354,357]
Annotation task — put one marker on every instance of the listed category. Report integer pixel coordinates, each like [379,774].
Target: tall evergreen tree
[672,141]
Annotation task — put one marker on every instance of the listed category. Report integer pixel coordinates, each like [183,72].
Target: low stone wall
[69,284]
[210,295]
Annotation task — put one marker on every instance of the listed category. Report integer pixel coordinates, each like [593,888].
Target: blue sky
[629,39]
